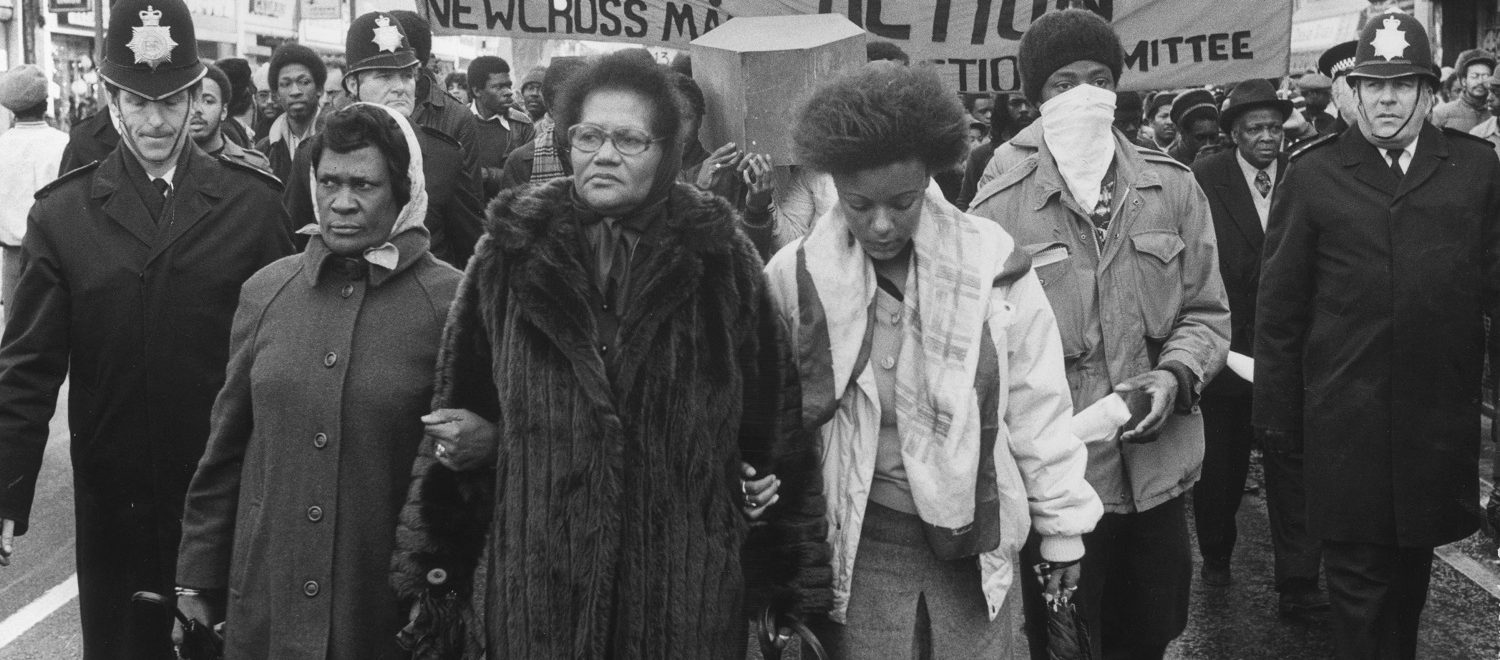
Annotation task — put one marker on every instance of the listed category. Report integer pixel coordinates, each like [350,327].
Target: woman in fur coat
[617,325]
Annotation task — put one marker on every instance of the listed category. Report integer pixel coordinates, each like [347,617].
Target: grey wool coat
[613,520]
[293,508]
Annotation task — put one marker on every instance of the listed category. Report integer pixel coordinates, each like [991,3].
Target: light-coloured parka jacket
[1153,296]
[1039,464]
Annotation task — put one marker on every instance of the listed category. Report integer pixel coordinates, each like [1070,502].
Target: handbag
[773,643]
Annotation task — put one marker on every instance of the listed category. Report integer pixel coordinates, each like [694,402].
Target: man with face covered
[1122,240]
[131,270]
[1381,258]
[383,70]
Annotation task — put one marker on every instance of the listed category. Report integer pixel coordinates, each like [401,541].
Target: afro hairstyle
[876,116]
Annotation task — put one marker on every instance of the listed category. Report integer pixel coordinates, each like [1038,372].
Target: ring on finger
[441,451]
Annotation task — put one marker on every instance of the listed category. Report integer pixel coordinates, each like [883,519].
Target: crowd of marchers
[365,364]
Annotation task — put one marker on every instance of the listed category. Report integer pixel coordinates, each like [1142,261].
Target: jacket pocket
[1054,269]
[1159,267]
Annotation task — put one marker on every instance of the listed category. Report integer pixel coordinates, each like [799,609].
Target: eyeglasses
[588,138]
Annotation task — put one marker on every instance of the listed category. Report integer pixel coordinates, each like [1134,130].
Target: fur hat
[296,54]
[1060,38]
[23,88]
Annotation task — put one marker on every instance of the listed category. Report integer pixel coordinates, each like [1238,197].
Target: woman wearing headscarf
[930,365]
[616,323]
[292,512]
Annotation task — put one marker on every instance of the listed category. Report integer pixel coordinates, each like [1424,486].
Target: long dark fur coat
[613,511]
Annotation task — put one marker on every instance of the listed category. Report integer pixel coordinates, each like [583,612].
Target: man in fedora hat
[1380,262]
[383,70]
[32,151]
[131,271]
[1239,185]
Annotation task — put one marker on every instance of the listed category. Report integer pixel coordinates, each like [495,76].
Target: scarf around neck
[410,217]
[945,307]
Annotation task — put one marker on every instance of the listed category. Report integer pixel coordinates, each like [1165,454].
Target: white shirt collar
[170,176]
[1250,170]
[499,116]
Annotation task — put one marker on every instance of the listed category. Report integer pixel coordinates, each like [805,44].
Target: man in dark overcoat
[1240,185]
[131,270]
[1382,257]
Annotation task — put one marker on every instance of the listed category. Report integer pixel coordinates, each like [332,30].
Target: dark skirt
[903,597]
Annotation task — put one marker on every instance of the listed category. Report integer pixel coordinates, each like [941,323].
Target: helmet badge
[1390,41]
[387,36]
[151,41]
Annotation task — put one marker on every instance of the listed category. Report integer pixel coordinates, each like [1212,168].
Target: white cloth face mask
[1078,127]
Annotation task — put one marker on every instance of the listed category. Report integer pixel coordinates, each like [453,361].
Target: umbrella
[1067,632]
[199,642]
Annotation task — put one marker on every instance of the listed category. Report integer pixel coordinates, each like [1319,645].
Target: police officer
[383,69]
[131,270]
[1380,260]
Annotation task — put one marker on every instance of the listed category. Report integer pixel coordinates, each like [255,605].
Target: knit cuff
[1062,547]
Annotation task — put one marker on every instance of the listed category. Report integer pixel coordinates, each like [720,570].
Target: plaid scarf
[947,299]
[545,165]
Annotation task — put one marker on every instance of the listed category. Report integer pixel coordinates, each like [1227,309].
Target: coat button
[889,362]
[315,513]
[311,588]
[604,348]
[330,359]
[320,440]
[437,576]
[347,291]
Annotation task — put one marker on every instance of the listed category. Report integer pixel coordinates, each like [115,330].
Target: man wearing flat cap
[1472,68]
[33,150]
[1317,91]
[1240,185]
[383,70]
[1123,242]
[1381,259]
[1196,117]
[130,273]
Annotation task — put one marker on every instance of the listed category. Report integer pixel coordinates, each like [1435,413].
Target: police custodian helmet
[1392,45]
[376,41]
[151,48]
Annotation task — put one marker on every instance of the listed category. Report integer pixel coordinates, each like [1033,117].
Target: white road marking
[36,611]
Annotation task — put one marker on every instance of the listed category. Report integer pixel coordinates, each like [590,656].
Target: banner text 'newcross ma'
[1168,43]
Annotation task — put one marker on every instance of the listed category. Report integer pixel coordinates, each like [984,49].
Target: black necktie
[156,204]
[162,187]
[1395,156]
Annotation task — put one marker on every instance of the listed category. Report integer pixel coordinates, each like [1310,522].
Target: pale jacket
[1039,463]
[33,151]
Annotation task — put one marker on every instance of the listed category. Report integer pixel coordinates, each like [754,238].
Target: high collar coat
[293,508]
[136,314]
[1369,334]
[614,527]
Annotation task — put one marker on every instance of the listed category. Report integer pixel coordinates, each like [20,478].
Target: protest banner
[1168,43]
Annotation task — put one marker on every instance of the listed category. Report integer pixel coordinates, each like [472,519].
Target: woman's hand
[718,164]
[462,440]
[756,169]
[1059,584]
[760,494]
[198,608]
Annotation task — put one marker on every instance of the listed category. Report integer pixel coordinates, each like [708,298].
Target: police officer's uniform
[1368,347]
[129,292]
